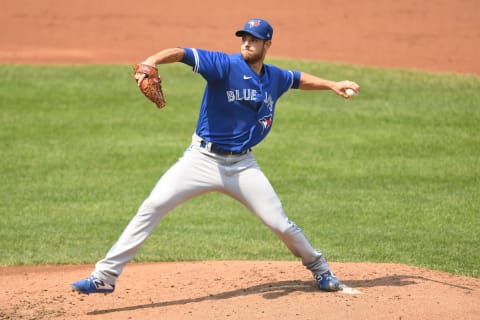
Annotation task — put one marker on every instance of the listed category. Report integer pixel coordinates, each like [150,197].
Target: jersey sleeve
[286,79]
[295,79]
[212,65]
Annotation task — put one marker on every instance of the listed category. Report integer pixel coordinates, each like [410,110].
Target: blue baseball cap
[258,28]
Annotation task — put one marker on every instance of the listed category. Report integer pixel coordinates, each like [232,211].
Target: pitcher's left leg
[250,186]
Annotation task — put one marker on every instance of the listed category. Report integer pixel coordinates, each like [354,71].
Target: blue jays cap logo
[253,23]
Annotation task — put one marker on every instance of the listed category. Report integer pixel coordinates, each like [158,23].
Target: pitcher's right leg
[192,175]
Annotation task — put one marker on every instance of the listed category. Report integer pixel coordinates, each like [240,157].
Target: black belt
[215,148]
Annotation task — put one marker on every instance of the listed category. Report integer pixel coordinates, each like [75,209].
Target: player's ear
[268,44]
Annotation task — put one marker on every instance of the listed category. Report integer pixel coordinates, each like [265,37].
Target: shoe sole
[88,293]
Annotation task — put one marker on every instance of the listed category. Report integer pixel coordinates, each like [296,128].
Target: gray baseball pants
[197,172]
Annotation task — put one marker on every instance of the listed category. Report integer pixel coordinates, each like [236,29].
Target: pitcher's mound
[240,290]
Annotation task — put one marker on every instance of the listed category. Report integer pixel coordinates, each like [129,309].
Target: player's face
[253,49]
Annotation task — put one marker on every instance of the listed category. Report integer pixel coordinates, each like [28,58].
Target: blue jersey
[238,105]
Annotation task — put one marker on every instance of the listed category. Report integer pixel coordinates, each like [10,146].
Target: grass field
[390,176]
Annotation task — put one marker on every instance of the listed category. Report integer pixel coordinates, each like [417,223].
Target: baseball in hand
[350,92]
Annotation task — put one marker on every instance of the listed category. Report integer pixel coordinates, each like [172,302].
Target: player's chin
[246,54]
[250,57]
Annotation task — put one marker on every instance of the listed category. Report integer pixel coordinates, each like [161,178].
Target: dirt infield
[240,290]
[444,37]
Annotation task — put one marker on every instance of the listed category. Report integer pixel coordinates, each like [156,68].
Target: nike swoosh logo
[246,77]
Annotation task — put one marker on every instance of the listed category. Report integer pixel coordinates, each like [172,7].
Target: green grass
[390,176]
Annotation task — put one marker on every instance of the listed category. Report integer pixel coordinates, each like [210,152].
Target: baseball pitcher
[236,113]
